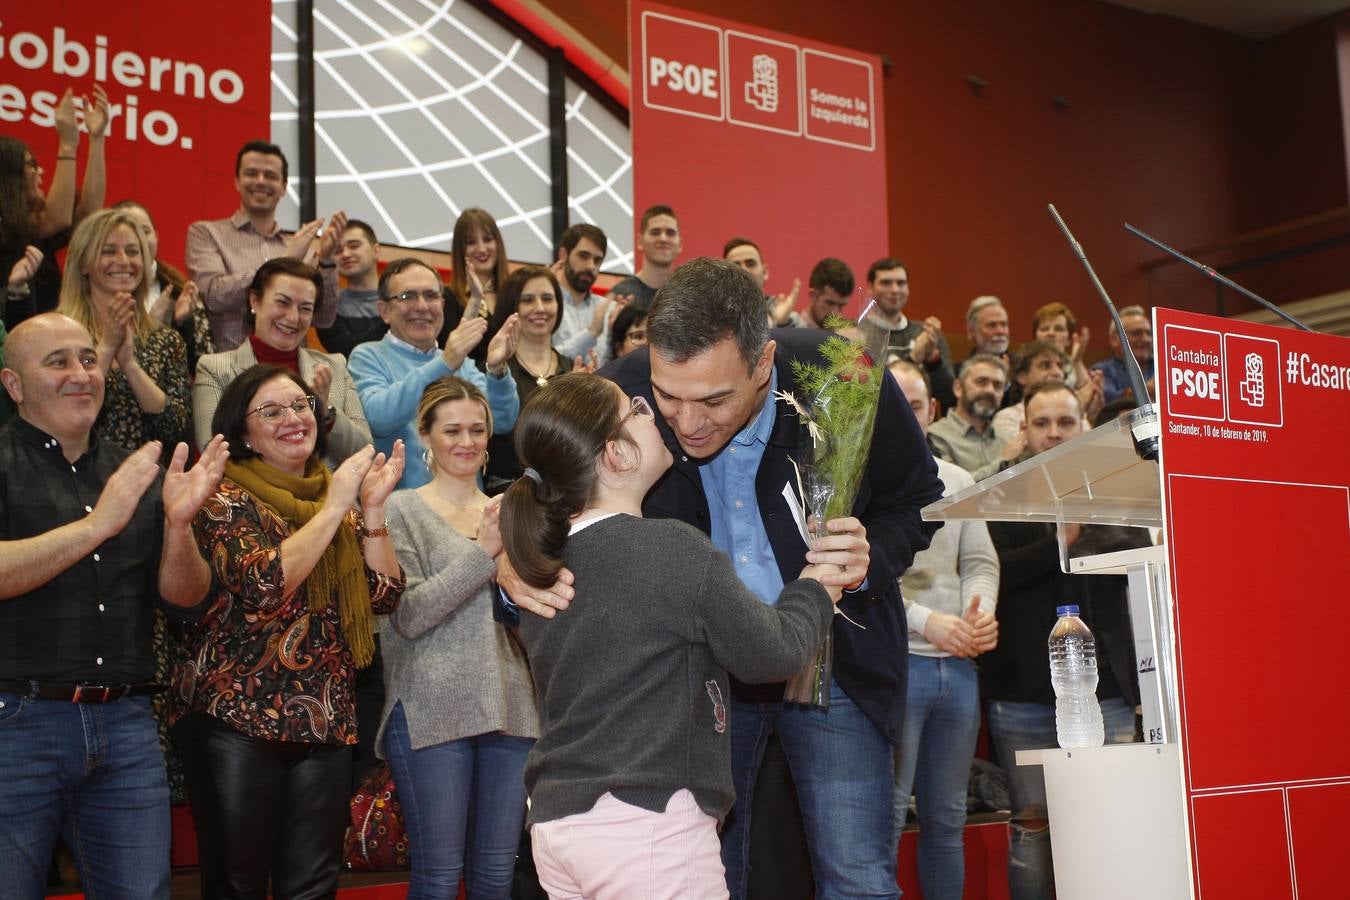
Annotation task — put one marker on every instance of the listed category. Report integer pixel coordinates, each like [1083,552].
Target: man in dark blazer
[712,368]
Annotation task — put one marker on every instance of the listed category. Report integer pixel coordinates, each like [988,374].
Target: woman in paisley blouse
[268,678]
[144,362]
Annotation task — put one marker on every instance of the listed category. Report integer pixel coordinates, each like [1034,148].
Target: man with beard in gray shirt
[965,436]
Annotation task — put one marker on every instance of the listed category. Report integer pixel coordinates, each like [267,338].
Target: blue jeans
[1031,726]
[942,722]
[841,765]
[92,773]
[460,799]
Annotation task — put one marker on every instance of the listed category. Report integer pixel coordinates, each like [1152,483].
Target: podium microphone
[1144,428]
[1221,279]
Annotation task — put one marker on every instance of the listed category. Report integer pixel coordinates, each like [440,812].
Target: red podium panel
[1256,495]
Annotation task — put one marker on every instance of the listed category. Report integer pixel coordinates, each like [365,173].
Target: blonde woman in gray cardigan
[459,715]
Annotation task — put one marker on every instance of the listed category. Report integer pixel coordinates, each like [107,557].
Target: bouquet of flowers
[839,412]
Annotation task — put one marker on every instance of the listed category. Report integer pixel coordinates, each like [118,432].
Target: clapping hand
[503,344]
[348,480]
[25,268]
[117,326]
[96,115]
[475,289]
[124,311]
[185,302]
[1078,345]
[604,314]
[926,347]
[300,244]
[321,380]
[489,536]
[460,342]
[589,363]
[380,479]
[184,492]
[784,304]
[123,490]
[332,235]
[67,129]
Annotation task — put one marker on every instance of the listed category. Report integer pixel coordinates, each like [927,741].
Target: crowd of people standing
[292,511]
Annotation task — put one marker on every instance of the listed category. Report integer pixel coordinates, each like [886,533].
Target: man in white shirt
[949,593]
[585,317]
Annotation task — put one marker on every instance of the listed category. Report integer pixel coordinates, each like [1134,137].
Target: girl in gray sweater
[632,769]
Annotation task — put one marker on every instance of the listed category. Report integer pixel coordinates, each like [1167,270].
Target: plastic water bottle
[1073,673]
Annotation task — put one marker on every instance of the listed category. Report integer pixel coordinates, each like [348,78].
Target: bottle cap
[1070,610]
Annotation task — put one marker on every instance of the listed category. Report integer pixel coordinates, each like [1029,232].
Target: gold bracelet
[382,531]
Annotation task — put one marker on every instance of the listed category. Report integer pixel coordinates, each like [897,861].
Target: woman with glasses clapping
[266,687]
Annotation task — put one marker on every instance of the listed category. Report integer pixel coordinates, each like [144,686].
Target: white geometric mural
[424,108]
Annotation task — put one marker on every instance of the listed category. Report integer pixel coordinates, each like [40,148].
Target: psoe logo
[1254,395]
[1195,373]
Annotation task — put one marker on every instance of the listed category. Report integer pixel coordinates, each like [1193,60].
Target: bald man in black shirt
[91,535]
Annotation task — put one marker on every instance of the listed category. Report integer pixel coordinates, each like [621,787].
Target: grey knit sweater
[632,678]
[456,671]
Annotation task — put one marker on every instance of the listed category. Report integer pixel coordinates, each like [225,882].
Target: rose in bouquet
[838,405]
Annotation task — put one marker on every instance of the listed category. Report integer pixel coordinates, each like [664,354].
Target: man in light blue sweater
[390,374]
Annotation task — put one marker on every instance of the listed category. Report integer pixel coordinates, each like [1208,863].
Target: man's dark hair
[832,273]
[740,242]
[236,403]
[707,301]
[399,266]
[262,147]
[1028,352]
[882,265]
[363,228]
[574,233]
[659,210]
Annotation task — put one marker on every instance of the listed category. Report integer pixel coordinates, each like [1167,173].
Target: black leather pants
[266,808]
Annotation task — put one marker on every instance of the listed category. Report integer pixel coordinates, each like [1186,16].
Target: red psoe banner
[1256,494]
[187,85]
[754,133]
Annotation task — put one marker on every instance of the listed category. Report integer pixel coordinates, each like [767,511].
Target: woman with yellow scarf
[266,691]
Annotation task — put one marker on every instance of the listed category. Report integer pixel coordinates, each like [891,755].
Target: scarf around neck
[341,570]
